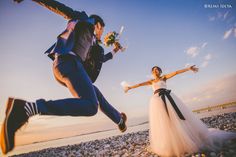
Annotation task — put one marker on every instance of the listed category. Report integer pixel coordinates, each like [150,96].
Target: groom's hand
[117,46]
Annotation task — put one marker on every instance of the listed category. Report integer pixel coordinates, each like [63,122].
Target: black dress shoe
[15,118]
[122,126]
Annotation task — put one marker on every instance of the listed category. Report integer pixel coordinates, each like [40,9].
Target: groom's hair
[159,69]
[97,19]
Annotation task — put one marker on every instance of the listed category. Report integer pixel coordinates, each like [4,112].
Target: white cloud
[208,57]
[212,18]
[204,64]
[225,15]
[229,19]
[219,16]
[227,33]
[222,15]
[204,45]
[193,51]
[206,60]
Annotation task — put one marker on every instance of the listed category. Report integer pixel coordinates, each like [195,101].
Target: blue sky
[168,34]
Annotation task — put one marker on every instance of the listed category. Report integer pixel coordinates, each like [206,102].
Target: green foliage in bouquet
[110,38]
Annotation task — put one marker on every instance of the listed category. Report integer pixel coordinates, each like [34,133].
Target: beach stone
[106,146]
[232,151]
[212,154]
[125,155]
[136,144]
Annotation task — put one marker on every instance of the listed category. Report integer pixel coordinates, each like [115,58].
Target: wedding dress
[175,130]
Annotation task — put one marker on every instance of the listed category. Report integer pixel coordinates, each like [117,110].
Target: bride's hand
[193,68]
[126,87]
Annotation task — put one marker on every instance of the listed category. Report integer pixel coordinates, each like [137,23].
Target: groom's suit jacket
[66,40]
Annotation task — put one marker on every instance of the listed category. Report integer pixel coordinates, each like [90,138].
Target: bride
[174,129]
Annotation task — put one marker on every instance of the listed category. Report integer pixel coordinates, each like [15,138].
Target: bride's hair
[159,69]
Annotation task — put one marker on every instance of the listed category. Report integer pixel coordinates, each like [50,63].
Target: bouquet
[112,38]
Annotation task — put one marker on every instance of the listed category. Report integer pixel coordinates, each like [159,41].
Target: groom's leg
[71,72]
[107,108]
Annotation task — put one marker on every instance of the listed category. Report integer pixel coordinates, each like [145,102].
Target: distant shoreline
[89,133]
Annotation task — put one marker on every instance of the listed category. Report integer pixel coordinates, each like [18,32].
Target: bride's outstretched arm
[170,75]
[139,85]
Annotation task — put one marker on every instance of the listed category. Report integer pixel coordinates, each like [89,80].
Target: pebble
[212,154]
[137,143]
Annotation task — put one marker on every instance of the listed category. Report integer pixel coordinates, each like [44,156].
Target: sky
[170,34]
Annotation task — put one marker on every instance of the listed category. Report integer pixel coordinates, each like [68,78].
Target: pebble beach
[136,144]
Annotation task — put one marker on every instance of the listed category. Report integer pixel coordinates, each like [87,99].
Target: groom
[69,53]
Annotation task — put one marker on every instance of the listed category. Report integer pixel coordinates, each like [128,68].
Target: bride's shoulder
[152,81]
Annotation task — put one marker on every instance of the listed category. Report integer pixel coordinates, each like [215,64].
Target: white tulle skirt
[171,136]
